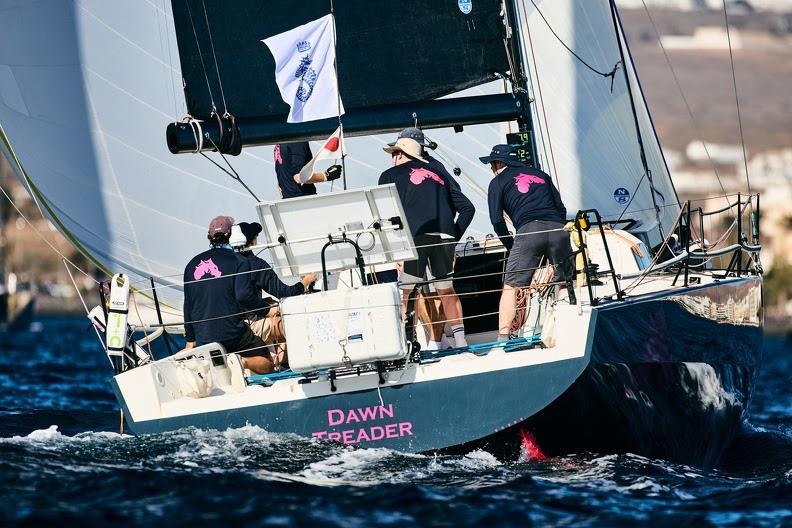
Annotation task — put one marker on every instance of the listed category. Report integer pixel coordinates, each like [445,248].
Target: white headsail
[587,134]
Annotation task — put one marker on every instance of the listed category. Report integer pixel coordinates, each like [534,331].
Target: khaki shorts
[261,326]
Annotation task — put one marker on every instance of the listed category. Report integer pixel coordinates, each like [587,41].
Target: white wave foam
[710,391]
[479,459]
[52,435]
[346,467]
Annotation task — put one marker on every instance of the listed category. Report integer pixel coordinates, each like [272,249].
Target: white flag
[305,72]
[333,148]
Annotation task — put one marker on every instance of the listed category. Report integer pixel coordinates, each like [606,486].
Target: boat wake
[212,474]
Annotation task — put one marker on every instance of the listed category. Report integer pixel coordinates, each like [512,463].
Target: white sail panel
[586,130]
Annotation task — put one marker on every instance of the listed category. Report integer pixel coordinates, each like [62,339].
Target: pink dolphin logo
[278,158]
[417,176]
[206,266]
[524,181]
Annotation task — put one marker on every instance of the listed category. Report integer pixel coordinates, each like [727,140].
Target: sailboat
[658,356]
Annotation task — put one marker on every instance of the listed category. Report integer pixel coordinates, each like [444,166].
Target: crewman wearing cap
[430,204]
[467,210]
[530,199]
[219,294]
[266,281]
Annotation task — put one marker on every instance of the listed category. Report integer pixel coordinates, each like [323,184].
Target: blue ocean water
[63,462]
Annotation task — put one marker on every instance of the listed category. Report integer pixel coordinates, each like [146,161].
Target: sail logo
[303,46]
[466,6]
[307,76]
[524,181]
[621,195]
[204,267]
[418,176]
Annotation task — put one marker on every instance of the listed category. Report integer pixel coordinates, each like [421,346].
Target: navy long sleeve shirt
[218,286]
[290,158]
[431,198]
[464,207]
[264,278]
[525,194]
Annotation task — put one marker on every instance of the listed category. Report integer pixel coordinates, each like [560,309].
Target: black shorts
[435,253]
[249,343]
[534,240]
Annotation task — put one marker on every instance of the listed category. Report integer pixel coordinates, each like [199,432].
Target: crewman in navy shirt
[530,199]
[290,158]
[265,280]
[219,295]
[431,201]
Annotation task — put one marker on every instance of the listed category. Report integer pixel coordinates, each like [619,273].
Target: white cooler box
[341,327]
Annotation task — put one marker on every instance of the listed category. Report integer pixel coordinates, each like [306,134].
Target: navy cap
[413,133]
[504,154]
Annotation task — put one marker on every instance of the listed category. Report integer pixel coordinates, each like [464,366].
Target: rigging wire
[684,99]
[50,244]
[166,38]
[622,44]
[338,101]
[541,102]
[736,97]
[200,55]
[87,312]
[214,57]
[611,74]
[235,174]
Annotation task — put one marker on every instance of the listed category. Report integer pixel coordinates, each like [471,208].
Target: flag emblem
[307,78]
[305,70]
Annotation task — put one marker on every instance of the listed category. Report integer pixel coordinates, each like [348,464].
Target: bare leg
[434,312]
[452,306]
[506,309]
[258,364]
[405,296]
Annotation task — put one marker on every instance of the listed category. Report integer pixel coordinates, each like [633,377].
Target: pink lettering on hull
[366,433]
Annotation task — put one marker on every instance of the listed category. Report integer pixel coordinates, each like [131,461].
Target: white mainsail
[83,113]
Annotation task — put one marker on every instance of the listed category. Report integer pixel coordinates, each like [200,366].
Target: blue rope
[512,345]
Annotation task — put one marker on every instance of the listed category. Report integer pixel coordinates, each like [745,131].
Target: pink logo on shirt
[417,176]
[206,266]
[524,181]
[278,158]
